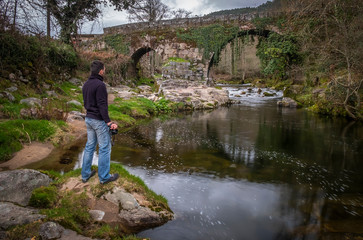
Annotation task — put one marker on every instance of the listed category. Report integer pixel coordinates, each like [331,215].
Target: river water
[248,171]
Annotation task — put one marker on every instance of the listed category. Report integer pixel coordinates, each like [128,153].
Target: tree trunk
[15,9]
[48,20]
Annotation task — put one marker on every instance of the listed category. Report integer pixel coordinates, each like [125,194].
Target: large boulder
[13,215]
[16,186]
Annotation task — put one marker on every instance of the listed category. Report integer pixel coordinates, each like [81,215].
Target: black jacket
[95,98]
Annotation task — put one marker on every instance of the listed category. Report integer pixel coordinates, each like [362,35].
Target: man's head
[97,67]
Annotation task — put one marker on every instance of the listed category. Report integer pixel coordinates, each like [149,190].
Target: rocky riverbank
[33,204]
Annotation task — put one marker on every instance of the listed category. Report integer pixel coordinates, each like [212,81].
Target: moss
[43,197]
[71,211]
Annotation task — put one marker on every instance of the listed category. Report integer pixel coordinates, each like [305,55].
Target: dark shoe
[113,177]
[92,174]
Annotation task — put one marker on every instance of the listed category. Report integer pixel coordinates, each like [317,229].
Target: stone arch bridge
[164,47]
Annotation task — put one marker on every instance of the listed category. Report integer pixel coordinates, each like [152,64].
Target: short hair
[97,66]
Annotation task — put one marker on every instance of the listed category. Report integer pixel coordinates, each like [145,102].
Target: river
[248,171]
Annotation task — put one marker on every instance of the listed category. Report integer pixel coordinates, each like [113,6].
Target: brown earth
[36,151]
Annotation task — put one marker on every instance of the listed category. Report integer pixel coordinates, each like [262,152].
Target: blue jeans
[97,132]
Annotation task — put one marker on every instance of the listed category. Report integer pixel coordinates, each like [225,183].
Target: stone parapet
[186,22]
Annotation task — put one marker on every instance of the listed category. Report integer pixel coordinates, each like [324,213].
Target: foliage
[118,43]
[174,59]
[211,38]
[69,13]
[163,105]
[15,132]
[331,37]
[33,53]
[43,197]
[277,53]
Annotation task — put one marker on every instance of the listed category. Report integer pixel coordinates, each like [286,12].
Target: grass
[15,132]
[71,211]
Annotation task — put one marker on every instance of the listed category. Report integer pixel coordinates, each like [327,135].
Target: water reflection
[260,173]
[250,171]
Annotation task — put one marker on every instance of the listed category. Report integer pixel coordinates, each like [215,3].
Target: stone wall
[238,59]
[186,22]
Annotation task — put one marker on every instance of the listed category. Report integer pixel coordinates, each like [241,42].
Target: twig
[30,141]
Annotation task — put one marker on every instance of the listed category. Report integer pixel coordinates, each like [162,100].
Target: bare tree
[148,11]
[334,41]
[180,13]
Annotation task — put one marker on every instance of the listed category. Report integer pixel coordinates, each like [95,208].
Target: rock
[12,77]
[3,235]
[118,196]
[51,93]
[24,80]
[267,94]
[16,186]
[78,114]
[32,102]
[75,81]
[29,113]
[12,215]
[145,88]
[287,102]
[75,115]
[46,86]
[50,230]
[72,235]
[141,218]
[11,89]
[97,215]
[9,96]
[74,102]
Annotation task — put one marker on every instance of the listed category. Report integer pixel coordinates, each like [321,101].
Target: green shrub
[277,53]
[43,197]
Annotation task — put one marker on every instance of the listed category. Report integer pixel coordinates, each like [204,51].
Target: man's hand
[112,125]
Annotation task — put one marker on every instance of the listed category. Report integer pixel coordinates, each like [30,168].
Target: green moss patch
[43,197]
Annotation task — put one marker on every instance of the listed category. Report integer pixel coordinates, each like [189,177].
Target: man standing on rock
[98,125]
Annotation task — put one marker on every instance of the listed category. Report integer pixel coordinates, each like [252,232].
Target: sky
[197,7]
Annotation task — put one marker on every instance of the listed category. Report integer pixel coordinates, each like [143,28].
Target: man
[98,124]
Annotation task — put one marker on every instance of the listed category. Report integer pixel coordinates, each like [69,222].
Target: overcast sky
[197,7]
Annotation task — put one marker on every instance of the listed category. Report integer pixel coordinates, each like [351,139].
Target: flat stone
[12,215]
[118,196]
[16,186]
[74,102]
[97,215]
[75,81]
[31,102]
[12,89]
